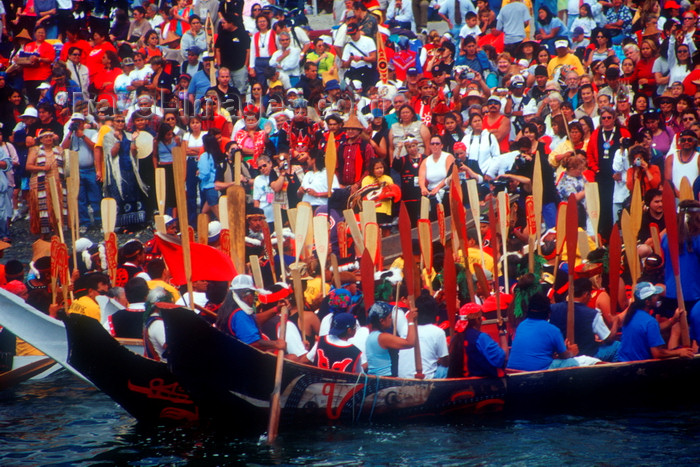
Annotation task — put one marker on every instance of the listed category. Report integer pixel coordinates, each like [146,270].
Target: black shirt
[233,46]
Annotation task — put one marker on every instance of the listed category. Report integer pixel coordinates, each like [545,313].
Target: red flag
[208,263]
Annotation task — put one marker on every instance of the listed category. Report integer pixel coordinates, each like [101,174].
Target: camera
[499,184]
[638,162]
[470,75]
[73,126]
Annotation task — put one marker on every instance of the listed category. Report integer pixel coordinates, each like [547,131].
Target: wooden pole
[273,425]
[203,229]
[593,208]
[409,276]
[237,225]
[614,255]
[179,161]
[277,212]
[671,217]
[321,239]
[571,241]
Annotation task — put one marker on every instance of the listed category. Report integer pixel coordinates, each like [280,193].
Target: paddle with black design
[671,218]
[571,242]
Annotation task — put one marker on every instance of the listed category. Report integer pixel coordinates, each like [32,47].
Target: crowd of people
[604,92]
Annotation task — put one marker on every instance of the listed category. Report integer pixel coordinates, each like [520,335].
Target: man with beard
[353,155]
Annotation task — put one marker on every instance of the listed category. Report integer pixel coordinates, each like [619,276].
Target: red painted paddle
[671,219]
[614,254]
[367,269]
[449,280]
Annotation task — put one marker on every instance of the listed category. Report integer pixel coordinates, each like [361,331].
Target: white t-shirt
[364,45]
[433,345]
[317,181]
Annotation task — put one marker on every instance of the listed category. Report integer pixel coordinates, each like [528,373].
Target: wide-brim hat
[23,34]
[353,122]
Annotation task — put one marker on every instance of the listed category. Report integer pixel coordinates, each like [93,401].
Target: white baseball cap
[644,290]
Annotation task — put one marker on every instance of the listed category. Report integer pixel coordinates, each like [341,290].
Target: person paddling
[334,351]
[382,346]
[237,316]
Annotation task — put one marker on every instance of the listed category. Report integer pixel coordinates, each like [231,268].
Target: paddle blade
[685,190]
[614,255]
[450,287]
[406,248]
[203,228]
[671,219]
[208,263]
[301,228]
[367,268]
[331,161]
[561,227]
[236,225]
[372,240]
[593,206]
[321,238]
[441,224]
[426,243]
[160,190]
[108,208]
[571,231]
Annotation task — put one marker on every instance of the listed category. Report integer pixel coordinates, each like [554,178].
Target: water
[63,421]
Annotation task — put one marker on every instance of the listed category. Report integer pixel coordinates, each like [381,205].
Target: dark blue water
[63,421]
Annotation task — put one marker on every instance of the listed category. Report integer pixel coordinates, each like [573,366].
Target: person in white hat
[564,57]
[237,315]
[641,333]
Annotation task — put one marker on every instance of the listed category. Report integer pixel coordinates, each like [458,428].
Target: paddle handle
[273,426]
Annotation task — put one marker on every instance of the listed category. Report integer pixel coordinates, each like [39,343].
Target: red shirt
[94,59]
[84,46]
[41,71]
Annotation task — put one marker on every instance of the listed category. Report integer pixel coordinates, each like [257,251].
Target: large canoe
[226,378]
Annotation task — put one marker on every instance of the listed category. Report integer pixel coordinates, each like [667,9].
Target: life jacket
[148,350]
[335,357]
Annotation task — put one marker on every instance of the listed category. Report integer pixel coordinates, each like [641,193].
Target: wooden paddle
[571,241]
[593,208]
[636,208]
[209,32]
[372,241]
[503,221]
[273,425]
[537,199]
[357,239]
[301,229]
[179,170]
[295,271]
[671,217]
[341,230]
[532,232]
[203,229]
[277,212]
[424,208]
[426,243]
[160,199]
[685,191]
[56,207]
[73,186]
[336,271]
[409,276]
[655,240]
[614,255]
[321,239]
[494,247]
[367,278]
[583,247]
[473,193]
[449,275]
[630,241]
[331,161]
[237,225]
[108,212]
[561,235]
[257,272]
[459,221]
[441,224]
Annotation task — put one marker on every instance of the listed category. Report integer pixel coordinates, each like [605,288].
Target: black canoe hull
[221,373]
[144,388]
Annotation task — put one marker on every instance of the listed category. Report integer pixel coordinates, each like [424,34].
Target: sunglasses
[687,140]
[262,166]
[606,118]
[436,144]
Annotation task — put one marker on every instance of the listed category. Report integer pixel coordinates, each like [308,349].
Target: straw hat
[23,34]
[353,122]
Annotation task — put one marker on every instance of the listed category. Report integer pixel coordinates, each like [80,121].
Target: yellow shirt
[313,293]
[152,284]
[87,306]
[474,257]
[383,206]
[568,59]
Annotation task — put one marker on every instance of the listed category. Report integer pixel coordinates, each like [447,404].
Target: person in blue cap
[334,351]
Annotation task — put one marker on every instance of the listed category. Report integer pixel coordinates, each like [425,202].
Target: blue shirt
[638,337]
[244,327]
[199,85]
[689,263]
[536,341]
[378,358]
[206,171]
